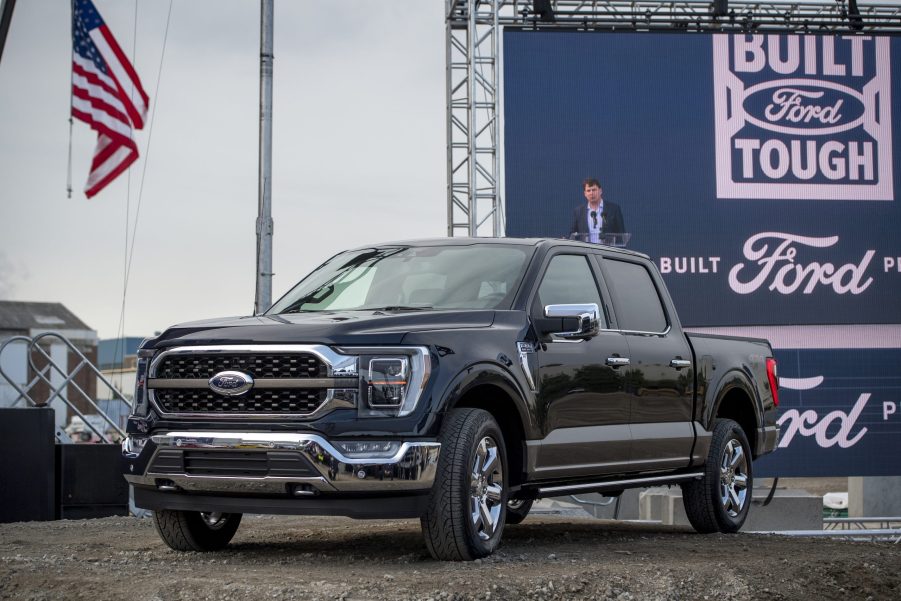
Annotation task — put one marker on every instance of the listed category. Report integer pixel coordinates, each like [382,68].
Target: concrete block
[789,509]
[874,497]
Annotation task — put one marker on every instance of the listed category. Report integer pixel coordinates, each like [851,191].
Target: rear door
[660,382]
[581,398]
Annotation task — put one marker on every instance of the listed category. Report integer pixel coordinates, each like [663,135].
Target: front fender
[491,374]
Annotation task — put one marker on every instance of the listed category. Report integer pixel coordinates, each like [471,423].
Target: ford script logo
[804,107]
[231,383]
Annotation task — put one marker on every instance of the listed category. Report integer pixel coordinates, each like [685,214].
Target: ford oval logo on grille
[231,383]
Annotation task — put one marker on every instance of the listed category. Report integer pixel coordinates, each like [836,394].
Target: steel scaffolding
[473,27]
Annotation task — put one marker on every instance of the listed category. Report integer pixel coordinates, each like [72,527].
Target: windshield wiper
[397,308]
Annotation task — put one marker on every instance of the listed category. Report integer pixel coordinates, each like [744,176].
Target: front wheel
[720,500]
[467,505]
[196,531]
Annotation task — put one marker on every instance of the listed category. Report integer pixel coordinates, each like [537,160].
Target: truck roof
[516,241]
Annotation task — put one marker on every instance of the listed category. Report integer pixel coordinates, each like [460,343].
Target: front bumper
[269,463]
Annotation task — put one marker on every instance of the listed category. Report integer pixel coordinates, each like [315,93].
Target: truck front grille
[198,400]
[282,365]
[244,464]
[285,381]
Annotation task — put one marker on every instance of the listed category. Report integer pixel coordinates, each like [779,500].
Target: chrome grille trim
[336,365]
[155,383]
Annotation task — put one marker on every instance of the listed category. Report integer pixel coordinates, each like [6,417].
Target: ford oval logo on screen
[231,383]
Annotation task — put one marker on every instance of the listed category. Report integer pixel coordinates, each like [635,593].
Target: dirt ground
[546,557]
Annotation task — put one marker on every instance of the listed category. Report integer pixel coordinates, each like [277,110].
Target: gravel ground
[546,557]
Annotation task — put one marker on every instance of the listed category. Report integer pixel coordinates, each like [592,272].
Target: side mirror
[575,322]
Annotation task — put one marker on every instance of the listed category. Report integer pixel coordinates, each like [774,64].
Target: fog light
[368,448]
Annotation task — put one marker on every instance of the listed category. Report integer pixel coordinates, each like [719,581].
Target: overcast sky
[358,152]
[358,147]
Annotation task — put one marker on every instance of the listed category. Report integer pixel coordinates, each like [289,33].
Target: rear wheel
[467,505]
[196,531]
[720,500]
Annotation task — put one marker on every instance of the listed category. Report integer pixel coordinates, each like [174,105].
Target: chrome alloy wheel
[733,478]
[486,488]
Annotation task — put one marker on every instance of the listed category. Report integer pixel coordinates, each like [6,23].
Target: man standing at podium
[596,218]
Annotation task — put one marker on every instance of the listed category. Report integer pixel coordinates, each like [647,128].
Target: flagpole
[264,216]
[6,16]
[71,92]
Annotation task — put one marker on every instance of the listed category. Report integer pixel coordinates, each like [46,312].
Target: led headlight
[388,380]
[392,379]
[139,403]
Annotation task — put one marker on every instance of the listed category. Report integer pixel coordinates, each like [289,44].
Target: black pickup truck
[453,380]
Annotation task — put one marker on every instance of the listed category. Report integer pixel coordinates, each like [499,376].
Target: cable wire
[120,330]
[134,230]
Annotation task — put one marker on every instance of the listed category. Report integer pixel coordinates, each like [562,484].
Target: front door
[581,396]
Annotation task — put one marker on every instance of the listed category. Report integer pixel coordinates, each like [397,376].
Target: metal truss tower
[473,108]
[473,28]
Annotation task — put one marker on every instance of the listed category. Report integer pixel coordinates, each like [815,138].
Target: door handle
[617,361]
[680,363]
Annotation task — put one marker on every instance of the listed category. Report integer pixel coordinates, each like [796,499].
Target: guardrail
[45,375]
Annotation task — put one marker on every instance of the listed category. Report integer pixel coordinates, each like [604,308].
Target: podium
[619,240]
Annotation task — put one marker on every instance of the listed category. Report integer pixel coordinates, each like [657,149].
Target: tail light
[773,376]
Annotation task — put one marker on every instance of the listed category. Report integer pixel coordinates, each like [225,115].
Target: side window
[568,280]
[637,303]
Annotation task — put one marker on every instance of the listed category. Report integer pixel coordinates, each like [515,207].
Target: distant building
[117,353]
[31,319]
[118,363]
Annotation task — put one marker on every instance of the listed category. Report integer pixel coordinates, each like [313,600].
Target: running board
[617,484]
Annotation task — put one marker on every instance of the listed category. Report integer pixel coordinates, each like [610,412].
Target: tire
[518,509]
[719,501]
[467,505]
[195,531]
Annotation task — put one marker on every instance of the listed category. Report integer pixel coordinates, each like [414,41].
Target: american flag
[106,94]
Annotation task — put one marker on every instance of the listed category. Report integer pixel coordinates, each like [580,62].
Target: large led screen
[757,171]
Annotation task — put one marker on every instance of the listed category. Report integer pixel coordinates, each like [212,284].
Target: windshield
[479,276]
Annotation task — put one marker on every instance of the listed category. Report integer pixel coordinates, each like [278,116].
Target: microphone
[603,221]
[594,217]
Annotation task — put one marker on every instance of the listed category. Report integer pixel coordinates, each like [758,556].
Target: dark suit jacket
[613,219]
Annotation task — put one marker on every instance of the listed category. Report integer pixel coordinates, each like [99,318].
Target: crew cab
[453,380]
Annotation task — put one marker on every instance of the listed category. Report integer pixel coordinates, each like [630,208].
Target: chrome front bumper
[161,462]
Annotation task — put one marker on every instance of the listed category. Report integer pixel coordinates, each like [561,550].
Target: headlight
[139,404]
[388,379]
[392,379]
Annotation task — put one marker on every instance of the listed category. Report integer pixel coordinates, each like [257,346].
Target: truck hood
[340,327]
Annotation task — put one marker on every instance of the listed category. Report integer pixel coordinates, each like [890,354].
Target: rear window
[638,306]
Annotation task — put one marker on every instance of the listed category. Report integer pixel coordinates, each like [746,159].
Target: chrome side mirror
[579,321]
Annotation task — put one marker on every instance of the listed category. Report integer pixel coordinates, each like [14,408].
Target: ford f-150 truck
[453,380]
